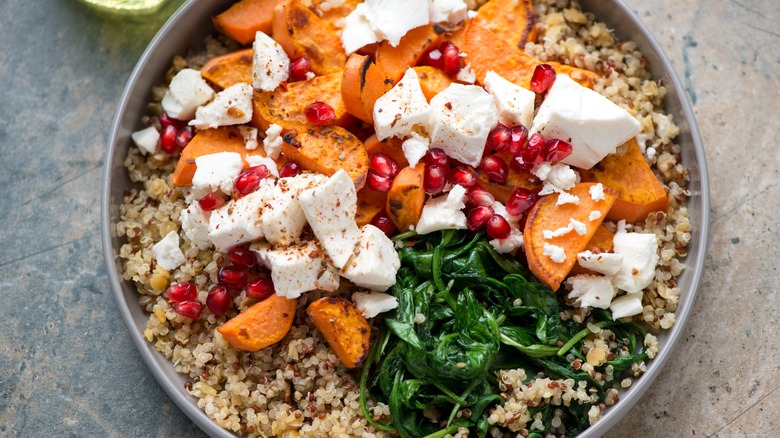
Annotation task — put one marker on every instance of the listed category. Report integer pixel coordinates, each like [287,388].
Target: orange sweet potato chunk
[639,190]
[432,80]
[547,215]
[602,241]
[226,70]
[362,85]
[406,198]
[343,327]
[244,19]
[205,142]
[302,33]
[511,20]
[326,150]
[390,146]
[261,325]
[394,61]
[369,204]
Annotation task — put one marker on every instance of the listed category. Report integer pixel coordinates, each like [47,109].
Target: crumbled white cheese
[146,140]
[256,160]
[400,109]
[298,268]
[591,291]
[640,257]
[238,221]
[578,226]
[375,262]
[556,253]
[510,243]
[450,12]
[626,305]
[283,218]
[443,212]
[567,198]
[594,215]
[515,104]
[541,170]
[216,172]
[374,303]
[195,224]
[378,20]
[500,209]
[186,92]
[250,137]
[167,252]
[466,74]
[272,143]
[549,234]
[561,176]
[597,192]
[357,30]
[415,147]
[232,106]
[606,263]
[310,75]
[270,63]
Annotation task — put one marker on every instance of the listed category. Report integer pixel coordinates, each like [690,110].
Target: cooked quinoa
[298,387]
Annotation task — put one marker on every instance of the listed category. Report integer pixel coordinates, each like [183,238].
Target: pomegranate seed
[434,179]
[499,138]
[436,156]
[211,202]
[260,288]
[383,223]
[519,201]
[319,113]
[556,150]
[166,120]
[249,179]
[242,257]
[218,300]
[289,169]
[433,58]
[450,58]
[180,292]
[481,198]
[463,176]
[519,134]
[383,165]
[184,137]
[168,139]
[378,183]
[532,154]
[495,168]
[478,217]
[189,309]
[233,276]
[299,68]
[497,227]
[543,78]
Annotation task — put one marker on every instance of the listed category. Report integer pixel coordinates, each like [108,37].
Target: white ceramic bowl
[193,22]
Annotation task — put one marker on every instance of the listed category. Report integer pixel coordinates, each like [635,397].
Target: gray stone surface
[68,367]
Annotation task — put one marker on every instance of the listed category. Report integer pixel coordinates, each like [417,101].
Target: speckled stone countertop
[69,368]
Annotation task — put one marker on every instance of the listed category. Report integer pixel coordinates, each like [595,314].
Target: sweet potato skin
[244,19]
[343,327]
[326,150]
[302,33]
[406,198]
[362,85]
[394,61]
[205,142]
[226,70]
[639,190]
[546,215]
[262,325]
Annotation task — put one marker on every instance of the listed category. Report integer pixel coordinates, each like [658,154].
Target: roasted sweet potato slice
[226,70]
[285,107]
[343,327]
[432,80]
[510,20]
[390,146]
[369,204]
[362,85]
[639,190]
[331,15]
[245,18]
[394,61]
[546,215]
[326,150]
[514,180]
[406,198]
[302,33]
[209,141]
[600,242]
[261,325]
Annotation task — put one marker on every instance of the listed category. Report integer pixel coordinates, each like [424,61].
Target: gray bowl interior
[192,23]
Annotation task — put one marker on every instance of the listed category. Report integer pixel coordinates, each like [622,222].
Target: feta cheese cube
[374,303]
[462,117]
[270,63]
[400,109]
[626,305]
[298,268]
[591,291]
[283,218]
[374,263]
[606,263]
[146,140]
[443,212]
[238,221]
[167,252]
[450,12]
[415,147]
[256,160]
[216,172]
[195,224]
[186,92]
[272,143]
[515,104]
[358,31]
[330,210]
[640,257]
[232,106]
[392,19]
[593,125]
[250,137]
[555,252]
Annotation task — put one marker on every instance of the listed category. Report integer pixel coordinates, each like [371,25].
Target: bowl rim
[186,403]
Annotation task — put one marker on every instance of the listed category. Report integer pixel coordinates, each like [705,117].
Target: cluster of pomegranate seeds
[298,68]
[242,257]
[319,113]
[211,202]
[189,309]
[233,276]
[497,227]
[168,139]
[520,201]
[463,176]
[184,136]
[434,179]
[174,134]
[249,179]
[381,171]
[481,198]
[260,288]
[181,292]
[518,136]
[543,78]
[556,150]
[530,155]
[438,157]
[478,217]
[446,58]
[218,300]
[289,169]
[495,168]
[499,138]
[384,223]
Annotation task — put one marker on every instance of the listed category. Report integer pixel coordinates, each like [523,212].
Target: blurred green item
[126,6]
